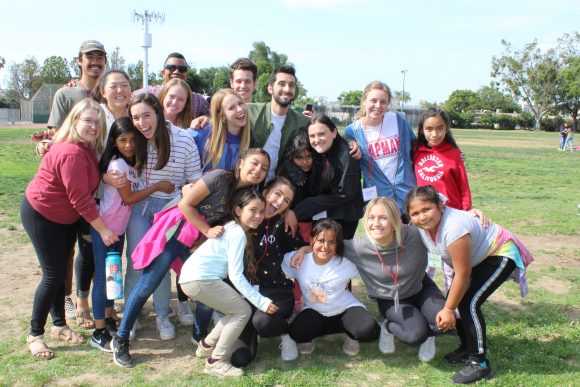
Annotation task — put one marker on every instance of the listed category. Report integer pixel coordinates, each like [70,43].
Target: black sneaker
[101,340]
[458,356]
[197,336]
[472,372]
[111,325]
[121,354]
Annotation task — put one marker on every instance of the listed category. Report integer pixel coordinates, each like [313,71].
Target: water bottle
[114,275]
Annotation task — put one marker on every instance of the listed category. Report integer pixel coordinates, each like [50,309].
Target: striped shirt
[182,167]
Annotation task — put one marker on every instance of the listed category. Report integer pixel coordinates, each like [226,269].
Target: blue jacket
[405,178]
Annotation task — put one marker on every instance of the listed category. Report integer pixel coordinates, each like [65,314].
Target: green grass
[518,178]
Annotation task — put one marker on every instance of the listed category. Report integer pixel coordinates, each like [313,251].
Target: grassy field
[518,178]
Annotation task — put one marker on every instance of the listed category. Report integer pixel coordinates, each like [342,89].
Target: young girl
[335,180]
[227,134]
[175,97]
[385,139]
[202,279]
[329,306]
[483,258]
[203,209]
[438,160]
[124,154]
[60,194]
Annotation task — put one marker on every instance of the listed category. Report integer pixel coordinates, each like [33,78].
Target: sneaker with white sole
[221,368]
[351,346]
[185,313]
[133,331]
[386,340]
[165,328]
[203,350]
[306,348]
[288,349]
[472,372]
[101,339]
[121,355]
[427,349]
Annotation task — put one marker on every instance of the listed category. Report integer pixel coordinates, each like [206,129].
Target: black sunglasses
[172,68]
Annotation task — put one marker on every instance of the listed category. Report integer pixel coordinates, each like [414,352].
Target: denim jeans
[150,279]
[139,223]
[99,295]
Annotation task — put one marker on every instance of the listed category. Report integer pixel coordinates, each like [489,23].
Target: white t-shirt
[453,225]
[272,146]
[113,210]
[324,287]
[384,145]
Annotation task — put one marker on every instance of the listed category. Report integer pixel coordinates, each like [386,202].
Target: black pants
[485,279]
[414,320]
[263,324]
[53,243]
[85,261]
[355,321]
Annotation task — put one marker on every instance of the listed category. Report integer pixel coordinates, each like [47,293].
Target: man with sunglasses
[175,66]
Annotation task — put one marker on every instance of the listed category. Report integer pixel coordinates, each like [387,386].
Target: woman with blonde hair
[228,133]
[175,97]
[60,194]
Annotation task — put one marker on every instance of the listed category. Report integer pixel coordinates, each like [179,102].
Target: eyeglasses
[88,122]
[172,68]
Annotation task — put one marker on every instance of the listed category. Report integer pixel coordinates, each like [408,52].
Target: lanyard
[371,153]
[386,268]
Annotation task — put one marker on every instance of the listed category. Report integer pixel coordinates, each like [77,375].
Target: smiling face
[251,215]
[242,81]
[378,226]
[323,247]
[426,215]
[125,143]
[376,105]
[174,68]
[145,119]
[92,63]
[321,137]
[174,102]
[87,126]
[235,113]
[278,199]
[284,89]
[435,130]
[303,160]
[117,92]
[253,169]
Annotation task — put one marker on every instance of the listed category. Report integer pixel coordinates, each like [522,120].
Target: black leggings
[355,321]
[84,262]
[485,279]
[263,324]
[414,320]
[53,243]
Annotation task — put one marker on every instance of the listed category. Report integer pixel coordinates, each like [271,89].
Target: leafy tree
[266,60]
[135,72]
[350,98]
[74,67]
[402,97]
[194,81]
[568,91]
[2,62]
[429,105]
[214,78]
[115,60]
[55,70]
[491,98]
[462,101]
[529,74]
[23,78]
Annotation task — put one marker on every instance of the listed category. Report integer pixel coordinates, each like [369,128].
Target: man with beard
[274,123]
[175,66]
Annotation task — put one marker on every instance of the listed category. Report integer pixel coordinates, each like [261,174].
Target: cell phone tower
[144,18]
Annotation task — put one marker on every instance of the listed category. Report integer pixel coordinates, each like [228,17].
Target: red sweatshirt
[442,167]
[62,189]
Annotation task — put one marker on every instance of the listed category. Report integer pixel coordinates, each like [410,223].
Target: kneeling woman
[483,258]
[202,279]
[391,260]
[329,306]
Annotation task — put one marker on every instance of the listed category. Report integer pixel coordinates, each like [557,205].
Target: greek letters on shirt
[384,147]
[267,239]
[430,168]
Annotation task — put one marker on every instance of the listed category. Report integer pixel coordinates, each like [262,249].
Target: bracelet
[449,309]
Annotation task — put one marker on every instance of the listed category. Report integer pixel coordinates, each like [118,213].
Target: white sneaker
[222,368]
[133,331]
[288,349]
[203,351]
[351,347]
[427,349]
[185,313]
[386,340]
[165,328]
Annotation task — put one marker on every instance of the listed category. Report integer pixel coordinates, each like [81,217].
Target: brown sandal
[85,320]
[37,347]
[66,334]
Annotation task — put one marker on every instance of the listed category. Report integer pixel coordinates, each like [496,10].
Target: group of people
[566,137]
[255,207]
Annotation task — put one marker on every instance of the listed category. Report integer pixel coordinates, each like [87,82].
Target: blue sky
[336,45]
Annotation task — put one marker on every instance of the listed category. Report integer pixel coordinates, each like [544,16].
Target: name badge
[320,215]
[369,193]
[434,260]
[396,299]
[318,296]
